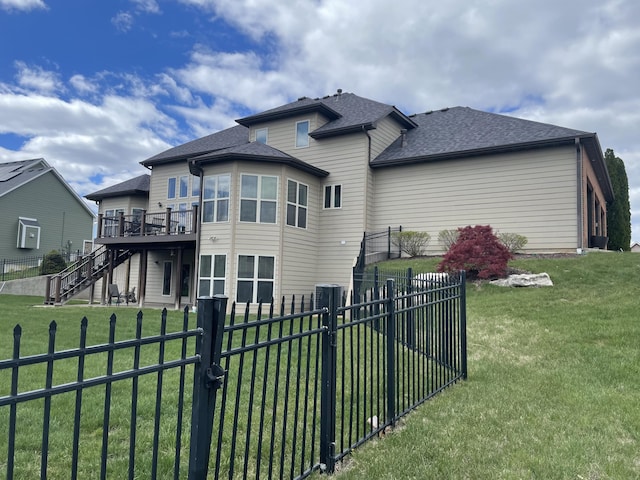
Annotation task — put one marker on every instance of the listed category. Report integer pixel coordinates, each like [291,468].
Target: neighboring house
[635,247]
[40,212]
[280,202]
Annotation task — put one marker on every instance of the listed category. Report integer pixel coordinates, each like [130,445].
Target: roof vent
[445,109]
[302,98]
[339,91]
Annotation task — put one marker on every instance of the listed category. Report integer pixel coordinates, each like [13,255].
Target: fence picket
[327,378]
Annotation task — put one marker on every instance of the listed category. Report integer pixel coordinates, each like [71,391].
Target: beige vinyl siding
[299,247]
[158,186]
[385,133]
[346,158]
[282,134]
[531,193]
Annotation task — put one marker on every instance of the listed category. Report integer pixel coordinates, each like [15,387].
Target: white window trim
[175,189]
[296,204]
[255,279]
[212,278]
[215,200]
[333,197]
[307,137]
[266,134]
[259,198]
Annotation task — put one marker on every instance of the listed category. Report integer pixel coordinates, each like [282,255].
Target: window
[255,278]
[215,198]
[302,134]
[261,135]
[258,198]
[333,196]
[213,270]
[171,187]
[166,278]
[184,186]
[195,187]
[111,221]
[296,204]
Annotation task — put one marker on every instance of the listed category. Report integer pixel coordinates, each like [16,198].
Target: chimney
[403,133]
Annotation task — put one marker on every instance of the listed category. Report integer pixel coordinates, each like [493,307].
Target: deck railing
[168,222]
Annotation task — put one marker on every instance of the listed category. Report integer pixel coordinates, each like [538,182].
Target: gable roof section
[347,113]
[229,137]
[460,132]
[20,173]
[254,151]
[134,186]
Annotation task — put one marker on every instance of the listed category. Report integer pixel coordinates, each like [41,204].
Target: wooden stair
[82,274]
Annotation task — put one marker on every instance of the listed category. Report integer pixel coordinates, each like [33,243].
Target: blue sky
[97,86]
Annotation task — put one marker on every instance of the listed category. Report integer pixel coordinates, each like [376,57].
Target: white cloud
[37,79]
[147,6]
[22,5]
[123,21]
[82,84]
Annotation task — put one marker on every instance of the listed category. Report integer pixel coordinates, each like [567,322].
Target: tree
[478,252]
[619,210]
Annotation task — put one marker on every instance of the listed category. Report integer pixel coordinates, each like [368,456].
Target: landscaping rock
[525,280]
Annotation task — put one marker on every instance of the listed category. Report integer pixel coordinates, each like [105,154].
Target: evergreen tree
[619,210]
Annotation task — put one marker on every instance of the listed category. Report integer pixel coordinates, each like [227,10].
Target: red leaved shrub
[478,252]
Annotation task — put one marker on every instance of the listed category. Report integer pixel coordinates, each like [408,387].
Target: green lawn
[553,389]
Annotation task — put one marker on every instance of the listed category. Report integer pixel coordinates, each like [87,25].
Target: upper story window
[184,186]
[171,187]
[195,187]
[215,198]
[297,194]
[333,196]
[258,198]
[262,135]
[302,134]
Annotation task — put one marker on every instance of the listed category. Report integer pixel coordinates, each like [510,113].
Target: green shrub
[411,243]
[513,241]
[53,262]
[478,252]
[448,238]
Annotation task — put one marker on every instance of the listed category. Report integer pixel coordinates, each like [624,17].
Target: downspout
[366,203]
[194,168]
[580,193]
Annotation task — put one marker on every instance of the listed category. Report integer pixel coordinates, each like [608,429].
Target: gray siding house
[40,212]
[281,201]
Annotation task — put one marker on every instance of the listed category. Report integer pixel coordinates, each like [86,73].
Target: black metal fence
[275,394]
[27,267]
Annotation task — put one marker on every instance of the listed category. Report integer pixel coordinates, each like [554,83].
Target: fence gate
[277,393]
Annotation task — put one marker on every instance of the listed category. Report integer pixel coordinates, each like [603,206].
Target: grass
[35,327]
[553,383]
[552,389]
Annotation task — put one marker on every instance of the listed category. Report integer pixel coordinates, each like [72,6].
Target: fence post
[411,324]
[391,352]
[328,298]
[463,322]
[207,378]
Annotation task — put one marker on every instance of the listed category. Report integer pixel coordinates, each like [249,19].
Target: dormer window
[261,135]
[302,134]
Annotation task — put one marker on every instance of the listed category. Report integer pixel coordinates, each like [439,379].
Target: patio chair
[114,293]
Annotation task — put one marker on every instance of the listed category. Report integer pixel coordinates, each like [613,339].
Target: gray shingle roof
[258,152]
[347,113]
[226,138]
[461,130]
[15,174]
[133,186]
